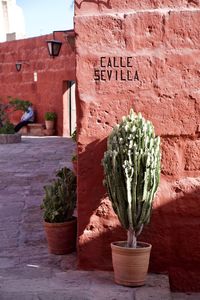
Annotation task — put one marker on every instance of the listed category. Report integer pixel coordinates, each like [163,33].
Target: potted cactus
[58,206]
[132,171]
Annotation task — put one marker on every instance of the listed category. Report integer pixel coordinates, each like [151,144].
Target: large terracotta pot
[49,124]
[61,237]
[130,265]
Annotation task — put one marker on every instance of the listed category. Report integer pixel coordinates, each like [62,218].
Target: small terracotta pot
[61,237]
[130,264]
[49,124]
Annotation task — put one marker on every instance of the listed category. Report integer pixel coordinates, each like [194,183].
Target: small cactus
[132,171]
[60,197]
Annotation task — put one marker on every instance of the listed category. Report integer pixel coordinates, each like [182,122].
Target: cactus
[132,171]
[60,197]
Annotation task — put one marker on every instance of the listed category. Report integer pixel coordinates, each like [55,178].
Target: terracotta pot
[49,132]
[130,265]
[61,237]
[49,124]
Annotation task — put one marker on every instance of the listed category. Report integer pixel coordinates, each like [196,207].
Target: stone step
[185,296]
[79,285]
[156,288]
[33,129]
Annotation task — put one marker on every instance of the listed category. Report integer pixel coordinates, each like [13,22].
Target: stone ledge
[76,285]
[10,138]
[35,129]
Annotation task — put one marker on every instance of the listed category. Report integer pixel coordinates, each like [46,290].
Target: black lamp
[18,66]
[19,63]
[54,47]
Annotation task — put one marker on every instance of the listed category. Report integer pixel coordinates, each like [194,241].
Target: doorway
[69,108]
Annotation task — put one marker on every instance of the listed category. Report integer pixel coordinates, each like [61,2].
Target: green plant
[3,113]
[74,135]
[50,116]
[132,172]
[74,157]
[7,128]
[14,104]
[19,104]
[60,197]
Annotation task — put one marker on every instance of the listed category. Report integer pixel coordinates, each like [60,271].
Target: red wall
[47,93]
[164,43]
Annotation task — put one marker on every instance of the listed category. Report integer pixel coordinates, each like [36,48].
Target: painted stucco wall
[11,20]
[47,93]
[162,38]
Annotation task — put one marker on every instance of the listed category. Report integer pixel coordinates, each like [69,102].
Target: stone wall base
[10,138]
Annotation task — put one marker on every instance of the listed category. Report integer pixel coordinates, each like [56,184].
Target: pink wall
[163,40]
[47,93]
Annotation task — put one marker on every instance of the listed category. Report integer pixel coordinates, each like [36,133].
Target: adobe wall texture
[163,41]
[47,93]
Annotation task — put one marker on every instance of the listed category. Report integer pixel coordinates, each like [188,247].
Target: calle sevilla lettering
[116,68]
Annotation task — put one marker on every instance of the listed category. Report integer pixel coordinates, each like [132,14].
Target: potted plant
[74,156]
[132,171]
[19,104]
[50,118]
[58,205]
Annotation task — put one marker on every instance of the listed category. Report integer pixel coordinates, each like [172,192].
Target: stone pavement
[27,271]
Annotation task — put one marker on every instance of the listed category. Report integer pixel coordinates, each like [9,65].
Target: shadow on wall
[97,222]
[97,2]
[173,231]
[90,175]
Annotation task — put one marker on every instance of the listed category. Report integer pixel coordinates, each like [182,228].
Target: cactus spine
[132,171]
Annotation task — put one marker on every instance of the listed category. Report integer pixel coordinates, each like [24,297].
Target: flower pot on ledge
[49,124]
[50,118]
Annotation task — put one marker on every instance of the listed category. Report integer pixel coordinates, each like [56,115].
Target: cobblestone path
[27,270]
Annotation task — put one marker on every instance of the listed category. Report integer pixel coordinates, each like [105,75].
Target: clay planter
[61,237]
[49,124]
[130,265]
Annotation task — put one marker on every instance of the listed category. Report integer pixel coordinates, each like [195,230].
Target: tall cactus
[132,172]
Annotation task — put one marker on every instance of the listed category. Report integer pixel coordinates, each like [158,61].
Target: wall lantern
[19,63]
[18,66]
[54,45]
